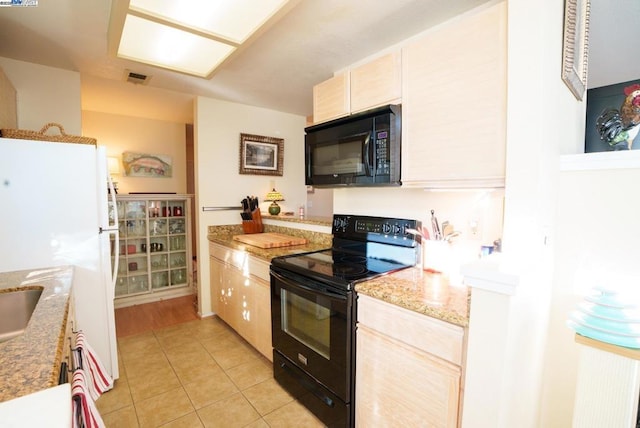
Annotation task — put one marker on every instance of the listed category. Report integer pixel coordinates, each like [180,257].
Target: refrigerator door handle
[116,261]
[108,229]
[113,229]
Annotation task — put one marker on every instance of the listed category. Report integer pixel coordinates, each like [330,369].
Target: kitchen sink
[16,308]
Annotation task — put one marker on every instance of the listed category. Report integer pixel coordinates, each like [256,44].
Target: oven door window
[306,321]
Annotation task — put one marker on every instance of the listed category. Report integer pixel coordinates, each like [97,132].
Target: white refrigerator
[54,211]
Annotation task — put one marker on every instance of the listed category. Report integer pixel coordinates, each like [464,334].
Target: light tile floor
[197,374]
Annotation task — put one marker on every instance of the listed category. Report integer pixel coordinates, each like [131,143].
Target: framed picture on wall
[147,165]
[261,155]
[575,46]
[613,117]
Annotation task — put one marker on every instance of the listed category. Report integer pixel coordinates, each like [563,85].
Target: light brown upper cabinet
[376,83]
[454,103]
[331,98]
[359,88]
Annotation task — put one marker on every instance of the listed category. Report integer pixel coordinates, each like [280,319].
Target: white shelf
[622,159]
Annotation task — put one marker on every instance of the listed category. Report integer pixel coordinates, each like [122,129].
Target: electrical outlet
[473,227]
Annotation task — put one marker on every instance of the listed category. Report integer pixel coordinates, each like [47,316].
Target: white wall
[135,134]
[565,117]
[532,165]
[544,121]
[217,128]
[45,94]
[135,100]
[596,245]
[320,203]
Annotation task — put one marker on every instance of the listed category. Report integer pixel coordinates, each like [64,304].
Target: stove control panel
[374,229]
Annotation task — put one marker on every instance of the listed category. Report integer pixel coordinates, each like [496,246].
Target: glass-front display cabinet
[155,246]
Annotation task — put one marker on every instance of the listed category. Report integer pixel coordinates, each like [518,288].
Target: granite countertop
[223,235]
[31,362]
[423,292]
[413,289]
[319,221]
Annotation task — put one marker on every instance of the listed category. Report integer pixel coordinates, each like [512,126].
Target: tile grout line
[198,335]
[179,380]
[182,384]
[225,371]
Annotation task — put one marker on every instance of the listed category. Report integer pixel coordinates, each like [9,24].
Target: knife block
[255,224]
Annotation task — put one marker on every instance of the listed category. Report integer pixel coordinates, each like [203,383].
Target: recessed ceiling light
[234,20]
[157,44]
[191,37]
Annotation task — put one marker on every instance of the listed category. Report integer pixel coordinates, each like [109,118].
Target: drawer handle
[308,386]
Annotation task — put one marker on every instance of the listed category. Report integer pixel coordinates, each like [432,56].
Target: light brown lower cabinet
[215,282]
[240,295]
[398,384]
[262,297]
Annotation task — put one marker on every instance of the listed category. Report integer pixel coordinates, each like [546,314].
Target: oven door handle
[321,292]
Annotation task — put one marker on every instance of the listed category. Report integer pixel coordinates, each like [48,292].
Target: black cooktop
[363,247]
[339,267]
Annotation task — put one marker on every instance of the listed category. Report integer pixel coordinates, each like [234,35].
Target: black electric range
[363,247]
[313,309]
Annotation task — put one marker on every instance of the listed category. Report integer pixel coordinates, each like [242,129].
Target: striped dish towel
[84,411]
[99,380]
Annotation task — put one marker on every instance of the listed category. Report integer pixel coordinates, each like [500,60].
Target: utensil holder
[436,255]
[255,224]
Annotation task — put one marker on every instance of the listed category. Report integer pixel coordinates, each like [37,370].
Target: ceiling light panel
[156,44]
[234,20]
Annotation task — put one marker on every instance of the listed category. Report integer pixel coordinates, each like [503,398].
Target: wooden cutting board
[269,240]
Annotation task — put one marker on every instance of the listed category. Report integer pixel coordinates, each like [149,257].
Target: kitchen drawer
[237,259]
[240,260]
[217,251]
[259,268]
[439,338]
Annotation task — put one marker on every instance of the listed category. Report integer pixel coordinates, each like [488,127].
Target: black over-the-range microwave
[359,150]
